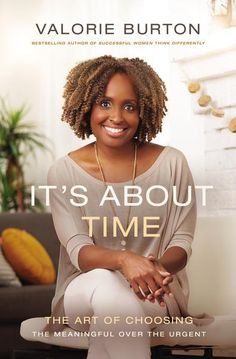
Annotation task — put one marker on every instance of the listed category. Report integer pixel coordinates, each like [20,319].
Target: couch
[211,268]
[20,303]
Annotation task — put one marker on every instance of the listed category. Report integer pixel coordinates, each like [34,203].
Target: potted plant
[18,139]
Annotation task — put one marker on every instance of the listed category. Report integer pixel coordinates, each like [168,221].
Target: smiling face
[115,116]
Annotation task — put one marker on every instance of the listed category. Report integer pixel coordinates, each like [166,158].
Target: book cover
[191,47]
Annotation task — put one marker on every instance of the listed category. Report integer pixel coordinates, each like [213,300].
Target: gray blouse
[163,189]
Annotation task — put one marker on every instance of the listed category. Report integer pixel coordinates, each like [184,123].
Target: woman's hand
[146,276]
[167,279]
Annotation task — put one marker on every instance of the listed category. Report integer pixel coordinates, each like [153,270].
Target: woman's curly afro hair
[86,84]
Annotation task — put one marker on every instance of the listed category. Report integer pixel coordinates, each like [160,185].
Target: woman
[125,234]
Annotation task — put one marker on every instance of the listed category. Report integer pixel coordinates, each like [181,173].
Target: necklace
[123,242]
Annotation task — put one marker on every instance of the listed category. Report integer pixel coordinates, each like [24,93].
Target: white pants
[105,295]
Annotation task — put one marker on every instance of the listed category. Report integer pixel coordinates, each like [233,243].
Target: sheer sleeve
[182,219]
[71,230]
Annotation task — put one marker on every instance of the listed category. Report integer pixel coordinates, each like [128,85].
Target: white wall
[212,267]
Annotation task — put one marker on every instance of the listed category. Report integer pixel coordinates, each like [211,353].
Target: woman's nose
[116,115]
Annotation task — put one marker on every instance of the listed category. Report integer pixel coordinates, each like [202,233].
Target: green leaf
[18,140]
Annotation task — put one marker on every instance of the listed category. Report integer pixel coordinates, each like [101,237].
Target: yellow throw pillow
[27,256]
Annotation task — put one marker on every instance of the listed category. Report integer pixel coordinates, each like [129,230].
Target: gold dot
[232,125]
[194,87]
[217,112]
[204,100]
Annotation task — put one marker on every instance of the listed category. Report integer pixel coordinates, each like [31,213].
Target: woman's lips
[114,131]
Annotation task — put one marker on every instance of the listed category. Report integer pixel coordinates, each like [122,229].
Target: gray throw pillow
[8,277]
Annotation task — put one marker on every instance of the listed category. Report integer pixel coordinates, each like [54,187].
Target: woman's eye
[105,104]
[130,107]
